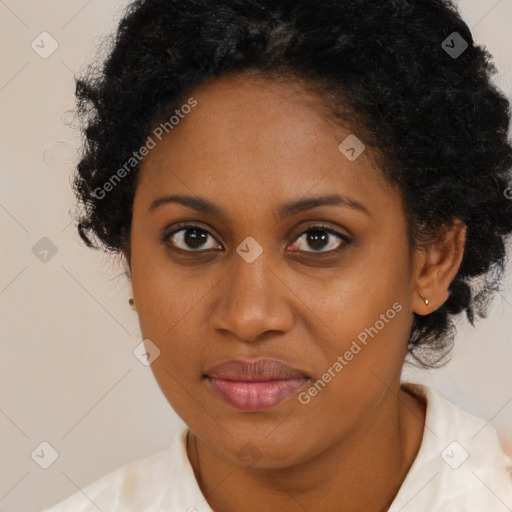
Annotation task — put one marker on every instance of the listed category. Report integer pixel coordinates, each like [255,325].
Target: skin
[249,146]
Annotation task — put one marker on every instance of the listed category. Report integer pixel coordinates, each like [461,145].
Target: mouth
[255,385]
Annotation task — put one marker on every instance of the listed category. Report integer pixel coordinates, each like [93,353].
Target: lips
[261,370]
[255,385]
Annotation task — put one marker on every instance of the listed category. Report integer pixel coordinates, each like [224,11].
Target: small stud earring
[426,302]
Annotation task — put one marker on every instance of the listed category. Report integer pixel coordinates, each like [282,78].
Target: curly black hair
[405,73]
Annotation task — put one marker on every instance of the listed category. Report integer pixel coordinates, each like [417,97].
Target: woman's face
[255,280]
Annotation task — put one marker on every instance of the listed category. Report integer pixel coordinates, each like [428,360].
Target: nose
[253,300]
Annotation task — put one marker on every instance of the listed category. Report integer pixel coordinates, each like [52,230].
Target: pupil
[317,236]
[195,238]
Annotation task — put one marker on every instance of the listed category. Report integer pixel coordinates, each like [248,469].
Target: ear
[436,265]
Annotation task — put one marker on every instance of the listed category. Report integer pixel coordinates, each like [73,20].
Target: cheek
[365,308]
[167,306]
[362,361]
[370,289]
[165,302]
[164,294]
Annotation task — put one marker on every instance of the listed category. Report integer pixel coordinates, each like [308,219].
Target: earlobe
[437,265]
[422,306]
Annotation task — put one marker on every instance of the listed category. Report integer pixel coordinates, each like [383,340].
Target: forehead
[237,116]
[258,138]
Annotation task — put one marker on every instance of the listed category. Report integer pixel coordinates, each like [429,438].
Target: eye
[318,237]
[191,237]
[194,238]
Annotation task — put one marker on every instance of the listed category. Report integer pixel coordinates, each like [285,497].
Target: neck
[376,455]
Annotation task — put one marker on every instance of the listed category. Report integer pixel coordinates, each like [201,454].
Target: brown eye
[190,238]
[320,238]
[194,238]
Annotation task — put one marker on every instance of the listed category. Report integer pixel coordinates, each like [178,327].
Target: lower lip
[256,396]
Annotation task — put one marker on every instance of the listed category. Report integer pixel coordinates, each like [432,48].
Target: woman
[303,193]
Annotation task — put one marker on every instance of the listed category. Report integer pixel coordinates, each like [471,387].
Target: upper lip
[260,370]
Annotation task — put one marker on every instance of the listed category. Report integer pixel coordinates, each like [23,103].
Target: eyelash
[318,227]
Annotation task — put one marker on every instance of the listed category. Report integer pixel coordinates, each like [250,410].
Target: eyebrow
[284,210]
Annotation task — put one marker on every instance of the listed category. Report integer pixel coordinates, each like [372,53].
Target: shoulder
[130,487]
[460,464]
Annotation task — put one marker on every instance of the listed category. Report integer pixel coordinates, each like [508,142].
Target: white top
[460,466]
